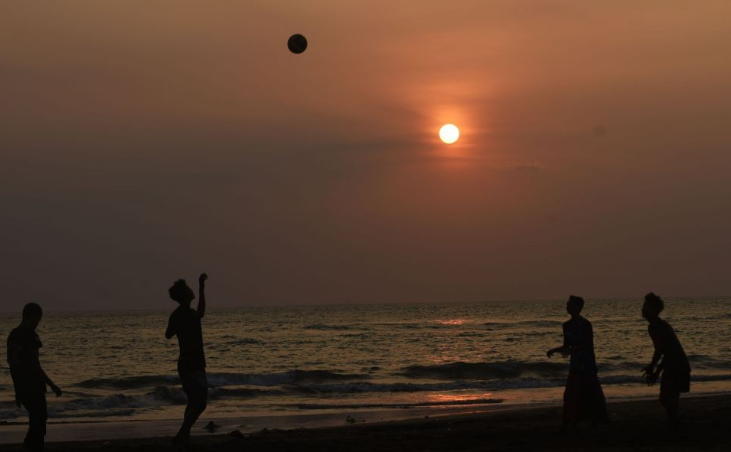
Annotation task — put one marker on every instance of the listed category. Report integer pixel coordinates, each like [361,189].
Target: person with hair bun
[185,323]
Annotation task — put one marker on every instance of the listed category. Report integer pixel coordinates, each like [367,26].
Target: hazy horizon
[559,302]
[141,142]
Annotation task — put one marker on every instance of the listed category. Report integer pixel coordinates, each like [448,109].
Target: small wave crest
[708,362]
[117,404]
[523,324]
[231,393]
[217,379]
[129,382]
[294,377]
[325,327]
[244,341]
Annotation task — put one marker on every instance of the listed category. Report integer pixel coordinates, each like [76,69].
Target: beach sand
[636,426]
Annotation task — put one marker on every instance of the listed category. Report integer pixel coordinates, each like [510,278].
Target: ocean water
[341,359]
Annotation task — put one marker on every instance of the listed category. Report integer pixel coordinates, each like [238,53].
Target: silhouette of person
[185,323]
[674,367]
[28,376]
[583,397]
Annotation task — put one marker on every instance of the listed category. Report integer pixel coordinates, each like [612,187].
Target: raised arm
[202,295]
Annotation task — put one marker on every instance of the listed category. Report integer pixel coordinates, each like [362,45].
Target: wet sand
[636,426]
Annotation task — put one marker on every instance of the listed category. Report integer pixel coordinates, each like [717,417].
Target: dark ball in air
[297,43]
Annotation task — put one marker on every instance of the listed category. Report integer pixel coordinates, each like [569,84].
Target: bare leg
[37,416]
[196,406]
[671,402]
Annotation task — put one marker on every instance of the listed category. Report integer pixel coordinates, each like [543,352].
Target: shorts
[195,383]
[674,381]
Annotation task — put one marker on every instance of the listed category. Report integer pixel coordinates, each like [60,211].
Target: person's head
[574,305]
[652,307]
[181,293]
[32,314]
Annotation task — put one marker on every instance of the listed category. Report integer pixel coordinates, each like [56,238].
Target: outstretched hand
[56,390]
[647,370]
[564,352]
[650,375]
[202,279]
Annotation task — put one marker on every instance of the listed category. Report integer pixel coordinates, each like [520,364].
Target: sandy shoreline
[138,429]
[636,425]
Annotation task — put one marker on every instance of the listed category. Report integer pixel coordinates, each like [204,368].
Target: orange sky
[141,141]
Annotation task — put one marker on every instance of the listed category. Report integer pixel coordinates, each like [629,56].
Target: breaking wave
[116,405]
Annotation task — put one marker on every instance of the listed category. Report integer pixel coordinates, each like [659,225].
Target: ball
[297,43]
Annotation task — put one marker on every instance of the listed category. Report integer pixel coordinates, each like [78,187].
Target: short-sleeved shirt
[579,334]
[23,359]
[667,342]
[186,324]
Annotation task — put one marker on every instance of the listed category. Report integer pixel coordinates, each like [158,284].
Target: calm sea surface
[325,359]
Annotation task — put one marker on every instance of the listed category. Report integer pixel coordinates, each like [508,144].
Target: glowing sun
[449,133]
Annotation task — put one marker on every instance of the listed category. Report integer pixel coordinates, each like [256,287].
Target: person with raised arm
[185,323]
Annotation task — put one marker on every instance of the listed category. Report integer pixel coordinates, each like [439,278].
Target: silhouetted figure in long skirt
[674,367]
[29,378]
[583,397]
[185,323]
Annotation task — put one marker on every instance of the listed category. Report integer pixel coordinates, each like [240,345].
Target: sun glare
[449,133]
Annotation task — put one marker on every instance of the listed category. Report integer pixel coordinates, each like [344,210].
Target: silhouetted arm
[649,372]
[565,349]
[655,358]
[49,382]
[171,331]
[202,295]
[13,360]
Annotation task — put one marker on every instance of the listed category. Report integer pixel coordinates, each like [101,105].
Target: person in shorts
[674,367]
[185,323]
